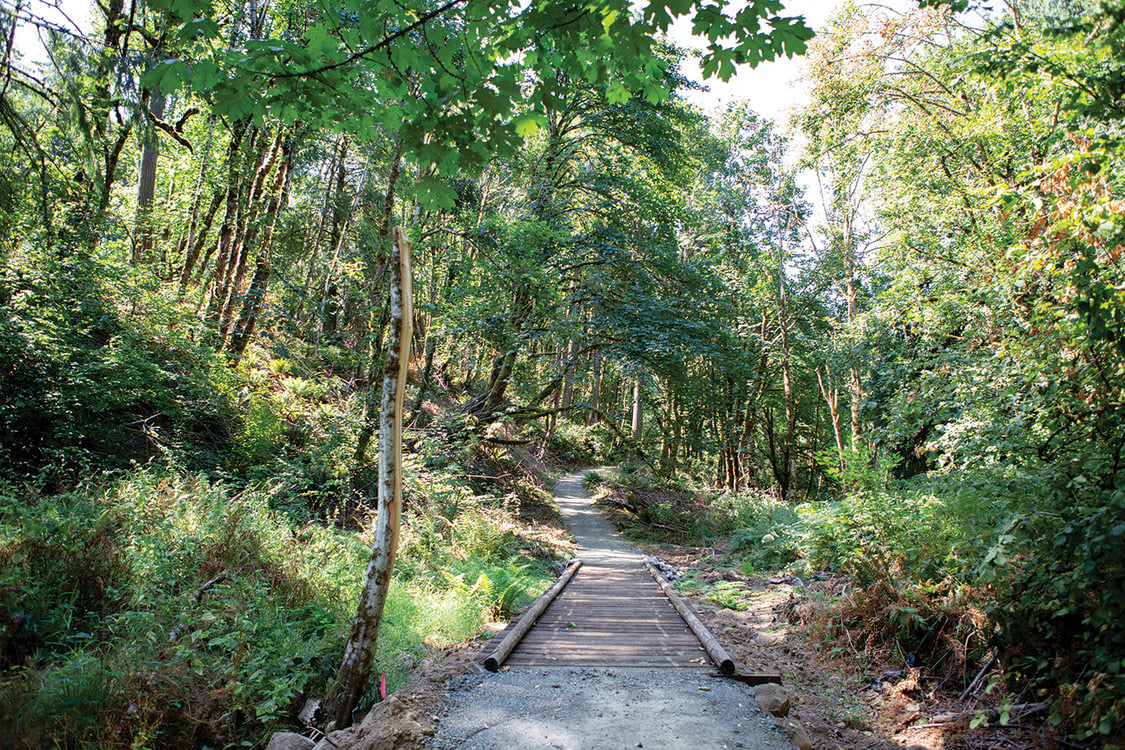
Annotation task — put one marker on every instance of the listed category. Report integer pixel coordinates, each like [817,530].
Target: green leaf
[608,19]
[616,93]
[529,124]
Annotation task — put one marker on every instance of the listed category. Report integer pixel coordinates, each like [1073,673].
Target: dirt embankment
[843,698]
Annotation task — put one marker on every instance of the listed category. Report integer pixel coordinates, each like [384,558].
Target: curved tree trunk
[359,654]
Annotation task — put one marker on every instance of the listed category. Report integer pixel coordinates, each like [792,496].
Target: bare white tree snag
[359,654]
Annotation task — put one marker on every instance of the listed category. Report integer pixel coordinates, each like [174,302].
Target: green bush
[917,533]
[1060,585]
[573,443]
[768,535]
[82,388]
[1048,567]
[159,610]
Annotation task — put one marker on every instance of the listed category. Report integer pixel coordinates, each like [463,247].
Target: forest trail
[612,614]
[601,704]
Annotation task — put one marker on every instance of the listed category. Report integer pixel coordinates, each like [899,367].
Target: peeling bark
[359,654]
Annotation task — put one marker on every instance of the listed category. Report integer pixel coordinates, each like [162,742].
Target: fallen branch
[972,688]
[1020,709]
[203,589]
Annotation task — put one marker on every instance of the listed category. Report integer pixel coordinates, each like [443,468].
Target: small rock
[819,733]
[773,698]
[307,715]
[799,736]
[429,731]
[289,741]
[333,740]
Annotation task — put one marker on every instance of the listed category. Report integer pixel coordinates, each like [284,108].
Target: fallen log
[528,618]
[716,650]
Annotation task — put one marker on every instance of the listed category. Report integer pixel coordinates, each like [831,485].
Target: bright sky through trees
[773,88]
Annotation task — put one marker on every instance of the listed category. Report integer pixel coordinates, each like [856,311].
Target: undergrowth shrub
[767,535]
[161,610]
[1060,605]
[574,443]
[945,571]
[911,534]
[83,386]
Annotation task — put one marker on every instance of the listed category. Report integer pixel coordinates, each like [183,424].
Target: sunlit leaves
[448,75]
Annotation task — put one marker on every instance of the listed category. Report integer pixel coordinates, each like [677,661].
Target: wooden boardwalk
[612,613]
[610,616]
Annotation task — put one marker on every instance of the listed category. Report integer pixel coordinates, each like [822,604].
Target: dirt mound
[408,717]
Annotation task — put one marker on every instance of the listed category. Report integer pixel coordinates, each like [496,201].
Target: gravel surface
[589,709]
[598,542]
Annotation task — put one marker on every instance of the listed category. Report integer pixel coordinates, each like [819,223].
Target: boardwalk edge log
[528,618]
[716,650]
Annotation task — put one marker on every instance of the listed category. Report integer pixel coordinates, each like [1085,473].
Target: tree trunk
[328,319]
[251,307]
[676,425]
[832,398]
[248,235]
[332,183]
[195,239]
[790,447]
[234,223]
[568,382]
[187,252]
[638,421]
[259,282]
[227,229]
[146,183]
[427,373]
[855,387]
[595,388]
[502,376]
[367,432]
[359,654]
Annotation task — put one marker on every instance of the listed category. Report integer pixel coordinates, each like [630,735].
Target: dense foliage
[901,357]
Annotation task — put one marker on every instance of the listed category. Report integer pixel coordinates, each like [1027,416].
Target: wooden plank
[496,658]
[625,628]
[662,650]
[608,663]
[610,617]
[751,678]
[723,659]
[597,636]
[567,649]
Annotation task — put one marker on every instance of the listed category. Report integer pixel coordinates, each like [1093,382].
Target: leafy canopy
[458,81]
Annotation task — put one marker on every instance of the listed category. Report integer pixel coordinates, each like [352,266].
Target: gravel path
[585,709]
[590,709]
